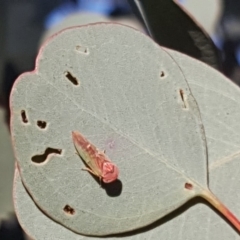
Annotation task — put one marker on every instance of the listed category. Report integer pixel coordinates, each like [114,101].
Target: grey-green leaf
[127,96]
[196,222]
[216,95]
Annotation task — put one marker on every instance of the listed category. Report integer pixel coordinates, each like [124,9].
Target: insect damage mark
[24,116]
[41,124]
[43,157]
[162,74]
[69,210]
[82,49]
[71,78]
[183,98]
[188,186]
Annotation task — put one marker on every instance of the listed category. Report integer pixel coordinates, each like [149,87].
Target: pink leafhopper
[99,164]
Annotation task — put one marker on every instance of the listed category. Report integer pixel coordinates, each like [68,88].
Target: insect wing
[88,153]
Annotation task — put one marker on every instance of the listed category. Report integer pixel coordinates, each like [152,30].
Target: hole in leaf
[41,124]
[43,157]
[69,210]
[162,74]
[24,116]
[183,98]
[188,186]
[82,49]
[71,78]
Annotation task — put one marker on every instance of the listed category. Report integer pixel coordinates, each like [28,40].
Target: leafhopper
[98,163]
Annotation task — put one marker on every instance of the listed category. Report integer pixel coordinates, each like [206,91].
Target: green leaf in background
[199,221]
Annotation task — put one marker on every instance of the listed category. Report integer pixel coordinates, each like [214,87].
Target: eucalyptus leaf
[125,96]
[198,222]
[219,102]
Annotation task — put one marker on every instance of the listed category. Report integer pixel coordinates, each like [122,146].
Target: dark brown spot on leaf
[183,98]
[162,74]
[43,157]
[24,116]
[41,124]
[69,210]
[71,78]
[188,186]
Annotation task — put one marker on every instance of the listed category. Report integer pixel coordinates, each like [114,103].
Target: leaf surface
[197,222]
[127,97]
[218,99]
[192,222]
